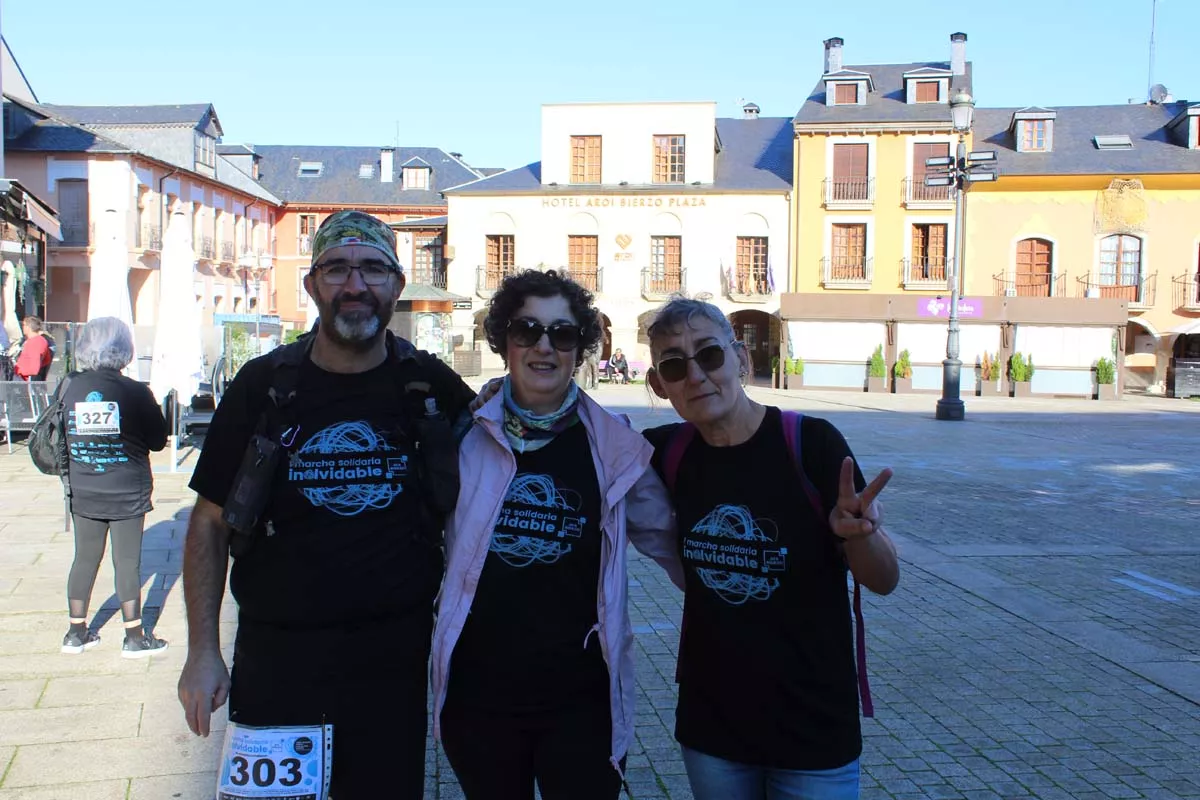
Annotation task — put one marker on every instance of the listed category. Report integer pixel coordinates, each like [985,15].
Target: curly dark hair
[534,283]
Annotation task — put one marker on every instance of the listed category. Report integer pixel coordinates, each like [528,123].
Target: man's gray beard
[356,331]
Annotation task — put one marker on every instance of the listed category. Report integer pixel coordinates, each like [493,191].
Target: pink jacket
[634,508]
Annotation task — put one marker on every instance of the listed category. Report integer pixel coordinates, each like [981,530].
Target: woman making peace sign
[768,689]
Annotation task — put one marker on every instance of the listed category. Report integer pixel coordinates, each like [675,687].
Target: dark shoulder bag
[48,439]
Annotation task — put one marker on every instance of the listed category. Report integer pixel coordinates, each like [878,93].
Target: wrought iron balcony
[304,244]
[77,233]
[1187,291]
[849,192]
[660,284]
[590,278]
[1029,285]
[207,249]
[489,276]
[918,195]
[847,273]
[748,285]
[1139,292]
[227,252]
[429,276]
[150,239]
[926,273]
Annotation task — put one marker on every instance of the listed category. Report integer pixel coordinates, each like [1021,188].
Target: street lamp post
[959,172]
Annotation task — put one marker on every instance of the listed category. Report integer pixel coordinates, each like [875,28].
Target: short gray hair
[104,343]
[681,309]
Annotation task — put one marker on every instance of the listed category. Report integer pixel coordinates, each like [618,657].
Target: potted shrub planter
[1022,389]
[877,372]
[1106,391]
[876,384]
[902,374]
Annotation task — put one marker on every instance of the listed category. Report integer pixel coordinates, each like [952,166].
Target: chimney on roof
[958,54]
[386,162]
[750,111]
[833,54]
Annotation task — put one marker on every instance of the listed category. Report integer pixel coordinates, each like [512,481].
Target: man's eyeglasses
[373,274]
[710,358]
[528,332]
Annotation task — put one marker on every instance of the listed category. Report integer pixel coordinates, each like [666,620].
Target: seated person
[618,364]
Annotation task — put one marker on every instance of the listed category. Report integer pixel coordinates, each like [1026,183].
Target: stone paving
[1044,641]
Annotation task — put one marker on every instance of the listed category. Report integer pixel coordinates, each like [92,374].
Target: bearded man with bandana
[336,578]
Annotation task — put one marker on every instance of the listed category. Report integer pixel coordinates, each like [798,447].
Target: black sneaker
[74,643]
[143,646]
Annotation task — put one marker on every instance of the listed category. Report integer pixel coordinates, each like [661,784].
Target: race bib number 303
[97,419]
[288,763]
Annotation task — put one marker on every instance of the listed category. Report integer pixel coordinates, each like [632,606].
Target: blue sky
[470,75]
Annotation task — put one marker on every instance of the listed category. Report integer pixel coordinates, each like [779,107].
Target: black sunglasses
[528,332]
[709,358]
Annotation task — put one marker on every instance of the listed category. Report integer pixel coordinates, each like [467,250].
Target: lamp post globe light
[958,172]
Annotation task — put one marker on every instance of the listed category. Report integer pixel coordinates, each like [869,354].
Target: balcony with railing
[149,238]
[304,244]
[247,258]
[847,273]
[659,283]
[1139,292]
[590,278]
[918,195]
[206,249]
[1029,285]
[749,285]
[264,259]
[226,252]
[925,273]
[489,276]
[76,233]
[429,276]
[854,192]
[1186,289]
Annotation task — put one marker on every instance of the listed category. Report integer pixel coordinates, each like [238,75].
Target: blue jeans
[714,778]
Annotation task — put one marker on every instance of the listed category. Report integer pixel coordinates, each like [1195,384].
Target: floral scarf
[527,431]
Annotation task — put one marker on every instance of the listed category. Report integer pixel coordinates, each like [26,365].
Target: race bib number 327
[97,418]
[288,763]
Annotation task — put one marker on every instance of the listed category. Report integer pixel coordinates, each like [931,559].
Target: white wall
[627,150]
[708,225]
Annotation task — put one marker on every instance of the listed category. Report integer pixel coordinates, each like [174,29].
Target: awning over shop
[20,206]
[43,217]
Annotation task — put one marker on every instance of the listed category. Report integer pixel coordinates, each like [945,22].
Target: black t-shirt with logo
[342,546]
[523,645]
[766,662]
[113,422]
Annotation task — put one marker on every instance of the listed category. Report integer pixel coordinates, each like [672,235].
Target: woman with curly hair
[532,660]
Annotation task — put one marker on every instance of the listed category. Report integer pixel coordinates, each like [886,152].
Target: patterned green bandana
[354,227]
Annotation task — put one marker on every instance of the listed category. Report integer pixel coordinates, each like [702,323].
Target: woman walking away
[113,423]
[771,510]
[533,675]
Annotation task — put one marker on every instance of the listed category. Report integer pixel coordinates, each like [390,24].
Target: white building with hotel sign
[637,201]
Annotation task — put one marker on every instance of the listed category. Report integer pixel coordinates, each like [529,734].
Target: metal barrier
[20,404]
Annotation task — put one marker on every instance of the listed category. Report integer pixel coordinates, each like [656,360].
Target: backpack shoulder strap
[677,445]
[792,421]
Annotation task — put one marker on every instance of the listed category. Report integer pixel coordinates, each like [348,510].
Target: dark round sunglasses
[709,358]
[528,332]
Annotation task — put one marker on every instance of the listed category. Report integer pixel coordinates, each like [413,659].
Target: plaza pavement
[1044,641]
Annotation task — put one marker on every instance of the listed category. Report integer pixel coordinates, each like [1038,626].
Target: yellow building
[873,245]
[1096,202]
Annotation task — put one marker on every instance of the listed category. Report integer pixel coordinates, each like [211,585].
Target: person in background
[768,687]
[37,352]
[533,674]
[113,423]
[618,365]
[591,369]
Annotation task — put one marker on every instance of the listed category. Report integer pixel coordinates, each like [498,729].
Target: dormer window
[928,91]
[1113,142]
[1033,130]
[845,86]
[366,171]
[206,151]
[310,169]
[416,177]
[927,85]
[845,94]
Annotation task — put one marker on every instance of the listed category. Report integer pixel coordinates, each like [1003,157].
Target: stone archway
[759,331]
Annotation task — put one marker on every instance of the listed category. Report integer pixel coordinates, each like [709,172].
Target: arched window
[1120,262]
[1035,268]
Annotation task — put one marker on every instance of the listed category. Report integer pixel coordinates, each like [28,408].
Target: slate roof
[1155,149]
[56,136]
[424,222]
[190,114]
[887,102]
[339,181]
[755,156]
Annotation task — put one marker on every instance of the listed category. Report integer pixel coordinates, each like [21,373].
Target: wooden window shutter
[927,91]
[846,94]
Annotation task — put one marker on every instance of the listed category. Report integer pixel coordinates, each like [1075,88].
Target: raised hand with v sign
[857,514]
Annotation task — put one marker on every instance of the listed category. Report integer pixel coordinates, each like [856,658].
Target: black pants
[499,756]
[91,535]
[367,680]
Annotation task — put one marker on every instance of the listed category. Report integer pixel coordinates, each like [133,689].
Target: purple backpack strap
[791,433]
[677,445]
